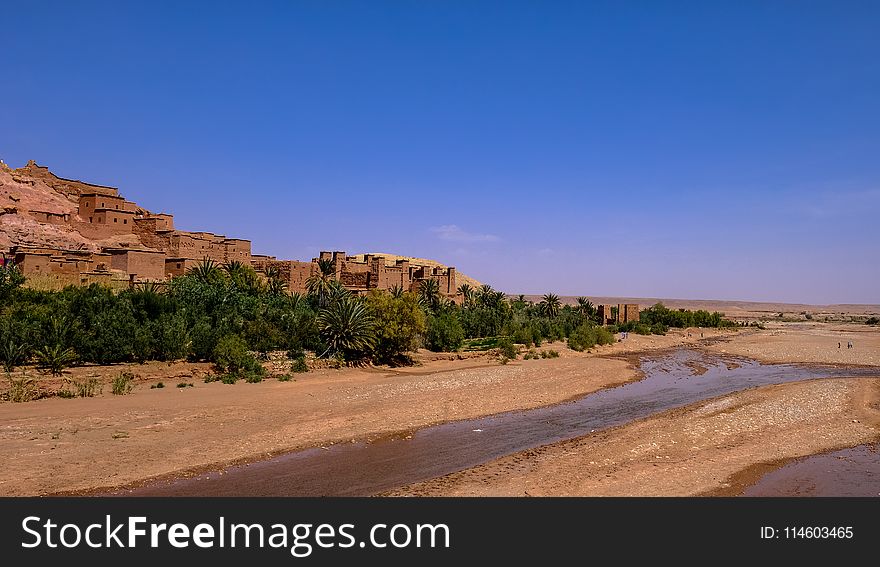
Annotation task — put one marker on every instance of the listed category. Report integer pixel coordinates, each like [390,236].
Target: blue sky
[724,150]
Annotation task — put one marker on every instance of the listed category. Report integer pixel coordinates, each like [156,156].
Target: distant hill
[390,260]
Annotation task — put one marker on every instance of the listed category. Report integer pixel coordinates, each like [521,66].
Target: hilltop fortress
[72,232]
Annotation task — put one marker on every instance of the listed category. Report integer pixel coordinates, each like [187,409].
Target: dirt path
[717,446]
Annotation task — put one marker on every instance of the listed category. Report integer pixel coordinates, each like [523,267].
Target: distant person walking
[849,344]
[838,344]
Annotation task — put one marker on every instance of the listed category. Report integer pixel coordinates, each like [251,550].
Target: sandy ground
[808,343]
[58,445]
[710,447]
[55,444]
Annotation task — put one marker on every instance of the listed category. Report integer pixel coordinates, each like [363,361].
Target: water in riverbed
[671,381]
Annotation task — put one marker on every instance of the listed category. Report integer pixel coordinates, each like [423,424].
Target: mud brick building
[119,240]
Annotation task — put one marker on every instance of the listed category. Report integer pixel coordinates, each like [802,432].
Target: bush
[582,338]
[123,384]
[22,389]
[229,378]
[507,349]
[158,386]
[604,336]
[549,354]
[445,333]
[87,387]
[232,357]
[284,377]
[873,321]
[211,378]
[55,359]
[399,324]
[299,365]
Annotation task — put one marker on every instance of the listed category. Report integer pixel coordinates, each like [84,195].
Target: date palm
[550,305]
[319,284]
[206,271]
[347,326]
[55,358]
[274,282]
[467,293]
[429,294]
[586,307]
[396,291]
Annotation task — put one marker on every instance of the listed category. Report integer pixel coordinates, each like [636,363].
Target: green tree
[399,324]
[445,333]
[207,271]
[320,284]
[347,328]
[429,294]
[550,305]
[55,358]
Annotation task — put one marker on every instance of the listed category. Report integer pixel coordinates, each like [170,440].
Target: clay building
[627,313]
[133,244]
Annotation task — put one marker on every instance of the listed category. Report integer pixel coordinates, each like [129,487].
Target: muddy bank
[58,445]
[699,449]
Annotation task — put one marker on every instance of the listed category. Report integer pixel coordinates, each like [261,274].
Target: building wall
[627,312]
[144,265]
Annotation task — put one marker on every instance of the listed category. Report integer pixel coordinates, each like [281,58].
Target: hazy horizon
[607,149]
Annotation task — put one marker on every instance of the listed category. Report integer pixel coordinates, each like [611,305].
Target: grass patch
[22,389]
[284,377]
[299,365]
[123,384]
[185,385]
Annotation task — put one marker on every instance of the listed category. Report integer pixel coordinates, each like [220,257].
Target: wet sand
[700,449]
[62,445]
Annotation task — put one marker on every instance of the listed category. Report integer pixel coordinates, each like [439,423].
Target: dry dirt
[808,343]
[55,444]
[700,449]
[58,445]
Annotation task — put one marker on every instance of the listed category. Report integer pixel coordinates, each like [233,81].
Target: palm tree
[550,305]
[396,291]
[296,300]
[586,307]
[55,358]
[429,294]
[346,325]
[206,271]
[12,353]
[319,284]
[467,293]
[274,282]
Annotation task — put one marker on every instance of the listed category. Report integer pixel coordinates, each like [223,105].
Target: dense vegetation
[226,313]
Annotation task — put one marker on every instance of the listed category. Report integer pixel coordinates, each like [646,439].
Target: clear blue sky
[725,150]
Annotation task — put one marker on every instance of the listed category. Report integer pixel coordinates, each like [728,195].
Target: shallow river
[671,381]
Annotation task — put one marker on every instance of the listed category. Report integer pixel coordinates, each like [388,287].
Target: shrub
[211,378]
[185,385]
[507,349]
[22,389]
[873,321]
[582,338]
[122,384]
[549,354]
[299,365]
[445,333]
[13,353]
[399,324]
[55,358]
[229,378]
[160,385]
[87,387]
[604,336]
[284,377]
[232,357]
[253,378]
